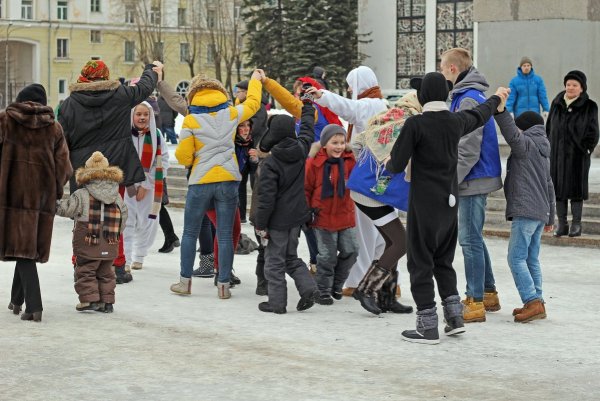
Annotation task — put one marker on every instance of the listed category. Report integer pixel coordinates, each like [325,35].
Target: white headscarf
[360,79]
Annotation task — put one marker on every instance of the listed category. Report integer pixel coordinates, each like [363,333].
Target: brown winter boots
[532,310]
[491,301]
[367,289]
[473,311]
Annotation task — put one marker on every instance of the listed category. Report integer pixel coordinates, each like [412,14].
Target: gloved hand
[264,236]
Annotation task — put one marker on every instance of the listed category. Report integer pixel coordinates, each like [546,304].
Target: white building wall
[378,17]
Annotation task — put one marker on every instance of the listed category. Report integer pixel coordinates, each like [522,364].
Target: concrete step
[585,241]
[497,219]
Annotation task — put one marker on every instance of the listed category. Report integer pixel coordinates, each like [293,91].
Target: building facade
[48,41]
[408,36]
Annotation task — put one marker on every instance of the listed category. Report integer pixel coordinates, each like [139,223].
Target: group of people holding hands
[434,155]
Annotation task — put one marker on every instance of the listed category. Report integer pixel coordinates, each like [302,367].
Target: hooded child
[100,215]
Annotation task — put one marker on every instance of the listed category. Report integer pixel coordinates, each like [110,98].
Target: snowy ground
[160,346]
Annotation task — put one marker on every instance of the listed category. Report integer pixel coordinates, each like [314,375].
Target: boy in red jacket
[326,193]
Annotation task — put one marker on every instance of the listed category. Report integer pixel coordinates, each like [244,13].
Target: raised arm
[515,139]
[290,103]
[252,103]
[173,99]
[144,87]
[477,117]
[306,136]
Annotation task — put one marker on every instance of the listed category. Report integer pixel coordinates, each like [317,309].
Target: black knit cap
[242,85]
[528,119]
[432,87]
[33,93]
[577,76]
[280,126]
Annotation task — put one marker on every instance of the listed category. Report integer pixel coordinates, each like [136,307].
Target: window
[155,16]
[95,36]
[129,51]
[410,48]
[62,86]
[26,9]
[211,18]
[210,53]
[182,88]
[62,48]
[95,6]
[95,57]
[454,26]
[184,52]
[181,16]
[61,10]
[129,14]
[158,50]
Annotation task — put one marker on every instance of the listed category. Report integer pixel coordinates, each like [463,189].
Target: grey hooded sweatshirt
[528,186]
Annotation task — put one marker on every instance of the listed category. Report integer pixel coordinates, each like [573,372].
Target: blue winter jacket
[527,93]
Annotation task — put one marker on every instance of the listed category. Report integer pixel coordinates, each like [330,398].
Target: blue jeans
[171,135]
[478,266]
[523,252]
[199,198]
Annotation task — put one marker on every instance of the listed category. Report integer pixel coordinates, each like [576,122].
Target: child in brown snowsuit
[100,216]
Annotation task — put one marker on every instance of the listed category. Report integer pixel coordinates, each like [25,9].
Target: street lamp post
[6,64]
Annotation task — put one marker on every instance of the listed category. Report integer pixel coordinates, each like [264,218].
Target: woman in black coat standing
[572,129]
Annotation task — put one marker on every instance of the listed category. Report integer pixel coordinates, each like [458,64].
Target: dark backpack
[246,245]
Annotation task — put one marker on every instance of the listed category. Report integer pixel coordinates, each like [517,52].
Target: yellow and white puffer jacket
[207,139]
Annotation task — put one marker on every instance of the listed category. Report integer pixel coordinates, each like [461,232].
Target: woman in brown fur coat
[34,167]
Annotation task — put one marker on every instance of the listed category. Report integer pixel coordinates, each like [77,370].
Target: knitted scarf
[373,93]
[112,222]
[147,153]
[327,188]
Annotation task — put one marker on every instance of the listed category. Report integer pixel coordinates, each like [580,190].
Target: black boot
[577,211]
[122,276]
[16,309]
[561,212]
[170,244]
[387,296]
[427,328]
[367,289]
[35,316]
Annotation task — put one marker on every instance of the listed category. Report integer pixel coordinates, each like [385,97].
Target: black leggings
[26,286]
[392,232]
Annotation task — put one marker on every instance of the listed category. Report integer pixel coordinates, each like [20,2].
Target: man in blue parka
[527,91]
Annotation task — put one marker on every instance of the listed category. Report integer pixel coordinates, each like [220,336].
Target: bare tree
[146,16]
[223,25]
[190,21]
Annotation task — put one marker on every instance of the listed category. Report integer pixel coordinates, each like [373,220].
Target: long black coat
[97,117]
[573,135]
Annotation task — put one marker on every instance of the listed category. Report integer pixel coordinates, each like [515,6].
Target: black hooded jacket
[281,199]
[97,117]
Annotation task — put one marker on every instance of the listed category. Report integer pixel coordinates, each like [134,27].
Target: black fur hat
[577,76]
[33,93]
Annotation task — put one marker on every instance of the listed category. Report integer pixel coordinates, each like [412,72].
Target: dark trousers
[207,233]
[166,225]
[26,286]
[243,193]
[281,257]
[95,280]
[260,263]
[311,241]
[430,254]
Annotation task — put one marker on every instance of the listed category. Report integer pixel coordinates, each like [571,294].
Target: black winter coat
[259,120]
[281,200]
[573,135]
[97,117]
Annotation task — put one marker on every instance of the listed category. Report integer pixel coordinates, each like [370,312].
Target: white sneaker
[183,287]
